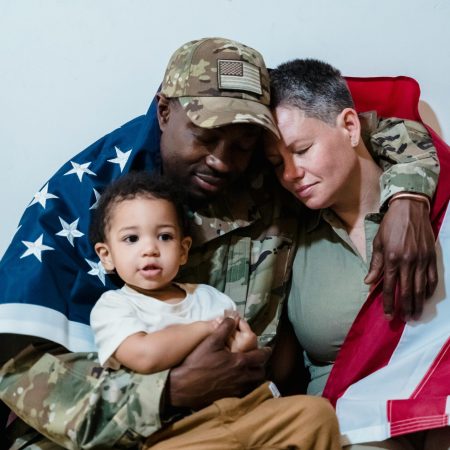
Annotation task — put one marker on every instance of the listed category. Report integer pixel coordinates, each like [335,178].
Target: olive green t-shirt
[327,289]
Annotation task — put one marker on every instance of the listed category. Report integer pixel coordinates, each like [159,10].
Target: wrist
[208,326]
[411,196]
[167,411]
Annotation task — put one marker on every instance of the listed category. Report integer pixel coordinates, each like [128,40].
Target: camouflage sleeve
[406,153]
[71,400]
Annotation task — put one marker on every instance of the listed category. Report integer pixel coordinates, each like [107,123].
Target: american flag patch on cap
[238,76]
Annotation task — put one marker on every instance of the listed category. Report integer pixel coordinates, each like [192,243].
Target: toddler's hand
[243,339]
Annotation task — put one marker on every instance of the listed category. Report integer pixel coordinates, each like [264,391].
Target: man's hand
[404,248]
[212,372]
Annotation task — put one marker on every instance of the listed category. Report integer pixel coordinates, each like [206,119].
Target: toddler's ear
[186,243]
[104,254]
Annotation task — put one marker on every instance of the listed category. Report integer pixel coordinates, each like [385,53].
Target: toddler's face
[144,243]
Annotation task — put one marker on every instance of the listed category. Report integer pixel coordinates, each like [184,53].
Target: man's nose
[220,159]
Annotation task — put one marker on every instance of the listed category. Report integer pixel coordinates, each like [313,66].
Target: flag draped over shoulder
[50,276]
[392,378]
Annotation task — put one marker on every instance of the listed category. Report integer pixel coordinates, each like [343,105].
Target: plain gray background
[73,70]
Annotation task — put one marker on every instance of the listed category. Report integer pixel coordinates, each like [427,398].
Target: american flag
[393,378]
[50,276]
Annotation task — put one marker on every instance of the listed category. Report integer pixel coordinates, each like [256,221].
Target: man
[203,128]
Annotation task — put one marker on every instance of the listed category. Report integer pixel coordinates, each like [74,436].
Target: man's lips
[210,183]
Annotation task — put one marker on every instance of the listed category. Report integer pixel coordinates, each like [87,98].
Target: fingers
[219,337]
[389,284]
[416,282]
[255,358]
[420,290]
[250,369]
[245,339]
[244,327]
[404,245]
[376,263]
[432,277]
[232,314]
[406,297]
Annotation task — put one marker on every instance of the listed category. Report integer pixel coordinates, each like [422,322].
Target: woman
[322,160]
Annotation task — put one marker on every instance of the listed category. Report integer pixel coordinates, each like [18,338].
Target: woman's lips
[305,190]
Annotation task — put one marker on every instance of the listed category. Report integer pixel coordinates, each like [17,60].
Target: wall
[71,71]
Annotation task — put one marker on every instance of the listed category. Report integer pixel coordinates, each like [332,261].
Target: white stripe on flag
[48,324]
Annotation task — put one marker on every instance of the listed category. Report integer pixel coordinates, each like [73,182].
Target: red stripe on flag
[411,415]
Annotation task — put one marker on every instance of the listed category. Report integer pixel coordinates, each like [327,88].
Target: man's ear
[163,110]
[186,243]
[348,119]
[104,254]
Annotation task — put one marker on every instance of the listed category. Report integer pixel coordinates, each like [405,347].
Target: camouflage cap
[220,82]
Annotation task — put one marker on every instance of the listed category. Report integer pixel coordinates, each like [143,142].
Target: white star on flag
[42,196]
[97,198]
[121,158]
[97,270]
[80,170]
[69,230]
[35,248]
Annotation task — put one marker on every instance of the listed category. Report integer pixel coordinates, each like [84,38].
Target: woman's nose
[292,171]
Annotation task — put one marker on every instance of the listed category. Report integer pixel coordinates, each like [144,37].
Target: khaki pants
[257,421]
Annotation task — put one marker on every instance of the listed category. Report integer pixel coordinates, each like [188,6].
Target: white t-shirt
[123,312]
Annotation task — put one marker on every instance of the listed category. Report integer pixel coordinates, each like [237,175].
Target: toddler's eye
[165,237]
[131,239]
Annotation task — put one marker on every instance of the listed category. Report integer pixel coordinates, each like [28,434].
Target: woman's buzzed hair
[313,86]
[136,184]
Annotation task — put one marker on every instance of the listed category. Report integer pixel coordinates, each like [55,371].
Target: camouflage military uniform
[399,142]
[243,245]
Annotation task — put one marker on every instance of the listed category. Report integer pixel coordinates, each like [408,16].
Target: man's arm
[404,246]
[80,405]
[405,151]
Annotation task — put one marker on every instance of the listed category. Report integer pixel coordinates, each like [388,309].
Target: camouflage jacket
[243,245]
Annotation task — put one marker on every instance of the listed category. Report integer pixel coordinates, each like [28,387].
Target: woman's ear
[348,119]
[186,243]
[163,110]
[104,254]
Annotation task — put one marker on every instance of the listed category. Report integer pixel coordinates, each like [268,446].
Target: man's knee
[323,412]
[316,411]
